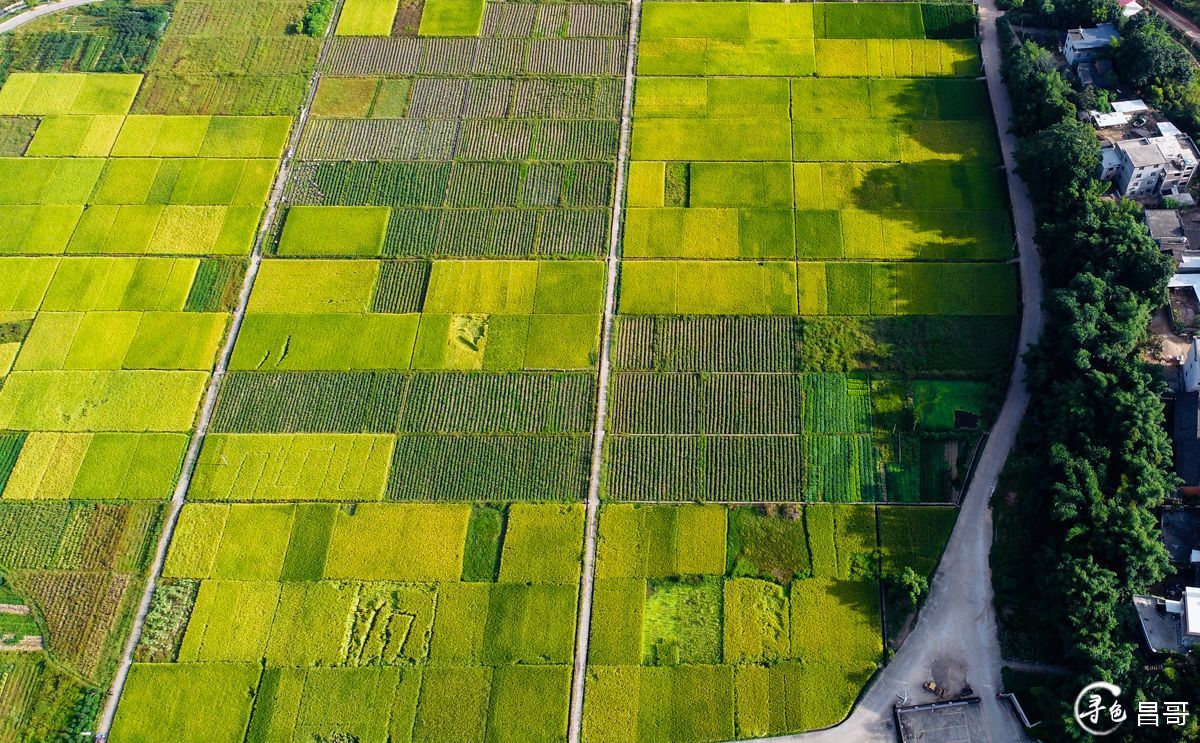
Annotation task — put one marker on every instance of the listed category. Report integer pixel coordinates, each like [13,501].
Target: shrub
[316,19]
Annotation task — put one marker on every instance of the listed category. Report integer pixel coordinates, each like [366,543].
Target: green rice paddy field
[382,529]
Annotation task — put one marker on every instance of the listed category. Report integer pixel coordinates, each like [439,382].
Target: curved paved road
[20,19]
[957,627]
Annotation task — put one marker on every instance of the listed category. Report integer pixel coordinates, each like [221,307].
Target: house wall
[1191,370]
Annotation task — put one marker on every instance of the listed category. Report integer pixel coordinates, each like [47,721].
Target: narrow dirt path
[584,624]
[957,625]
[104,724]
[28,16]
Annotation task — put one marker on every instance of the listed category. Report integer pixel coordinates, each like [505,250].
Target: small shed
[1131,106]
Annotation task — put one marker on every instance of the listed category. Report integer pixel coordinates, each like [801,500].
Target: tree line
[1094,461]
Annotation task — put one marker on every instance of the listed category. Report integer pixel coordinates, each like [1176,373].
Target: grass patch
[485,534]
[681,623]
[399,542]
[366,18]
[768,545]
[196,702]
[542,543]
[451,18]
[342,230]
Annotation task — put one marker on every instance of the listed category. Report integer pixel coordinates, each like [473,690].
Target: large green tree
[1059,163]
[1150,59]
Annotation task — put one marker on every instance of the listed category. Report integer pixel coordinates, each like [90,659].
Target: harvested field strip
[80,610]
[76,536]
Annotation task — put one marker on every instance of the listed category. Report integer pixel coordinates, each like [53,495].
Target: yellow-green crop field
[303,344]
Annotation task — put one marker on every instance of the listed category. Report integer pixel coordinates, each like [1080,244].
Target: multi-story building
[1086,44]
[1150,165]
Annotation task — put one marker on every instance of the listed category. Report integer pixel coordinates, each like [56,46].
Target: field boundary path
[957,625]
[104,724]
[28,16]
[584,622]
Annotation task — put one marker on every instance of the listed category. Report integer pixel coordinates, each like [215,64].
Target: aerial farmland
[468,370]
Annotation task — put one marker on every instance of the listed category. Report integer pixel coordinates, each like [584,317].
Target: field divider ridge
[613,261]
[191,458]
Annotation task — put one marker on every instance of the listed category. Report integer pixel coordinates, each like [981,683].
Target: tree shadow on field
[860,594]
[950,208]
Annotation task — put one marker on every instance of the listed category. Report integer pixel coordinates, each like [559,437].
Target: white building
[1130,8]
[1148,166]
[1086,44]
[1191,367]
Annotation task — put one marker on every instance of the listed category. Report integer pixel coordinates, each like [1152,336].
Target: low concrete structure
[1086,44]
[1166,227]
[1181,534]
[1170,626]
[957,721]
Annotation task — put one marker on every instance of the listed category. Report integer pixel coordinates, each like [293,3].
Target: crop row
[536,98]
[740,468]
[446,139]
[483,56]
[10,449]
[75,536]
[233,17]
[500,233]
[246,95]
[244,55]
[722,344]
[836,403]
[490,468]
[692,403]
[840,469]
[380,139]
[401,286]
[382,402]
[216,284]
[528,20]
[80,610]
[454,184]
